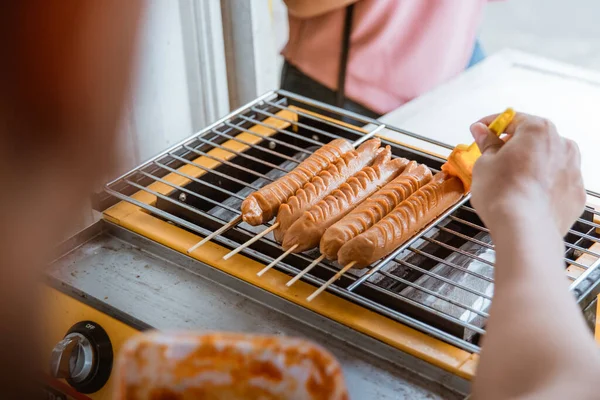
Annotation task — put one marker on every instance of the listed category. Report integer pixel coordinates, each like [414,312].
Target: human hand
[537,170]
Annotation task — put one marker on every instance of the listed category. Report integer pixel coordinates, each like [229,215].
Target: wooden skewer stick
[305,270]
[329,282]
[368,135]
[275,261]
[216,233]
[249,242]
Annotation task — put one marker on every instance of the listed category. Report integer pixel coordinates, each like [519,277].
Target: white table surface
[568,95]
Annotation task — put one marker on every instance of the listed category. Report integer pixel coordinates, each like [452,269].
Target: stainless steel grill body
[439,282]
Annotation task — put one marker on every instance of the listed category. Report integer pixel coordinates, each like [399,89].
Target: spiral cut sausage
[262,205]
[408,218]
[308,229]
[374,209]
[324,183]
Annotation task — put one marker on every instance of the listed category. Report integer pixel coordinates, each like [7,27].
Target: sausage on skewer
[262,205]
[324,183]
[306,232]
[408,218]
[374,209]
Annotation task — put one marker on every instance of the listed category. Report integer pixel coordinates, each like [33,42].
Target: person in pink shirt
[380,53]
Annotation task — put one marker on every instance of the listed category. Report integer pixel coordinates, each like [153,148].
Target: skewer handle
[216,233]
[249,242]
[368,135]
[275,261]
[329,282]
[305,270]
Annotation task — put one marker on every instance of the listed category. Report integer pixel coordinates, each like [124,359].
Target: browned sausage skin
[324,183]
[308,229]
[262,205]
[374,208]
[408,218]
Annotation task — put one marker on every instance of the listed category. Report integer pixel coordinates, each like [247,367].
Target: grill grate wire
[444,275]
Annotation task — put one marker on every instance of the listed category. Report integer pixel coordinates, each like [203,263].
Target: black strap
[340,96]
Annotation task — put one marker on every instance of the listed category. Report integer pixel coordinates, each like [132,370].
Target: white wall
[159,111]
[180,83]
[280,28]
[251,43]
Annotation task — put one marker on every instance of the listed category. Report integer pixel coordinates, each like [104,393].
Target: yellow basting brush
[462,159]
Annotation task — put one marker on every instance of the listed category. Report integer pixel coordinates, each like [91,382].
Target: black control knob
[84,357]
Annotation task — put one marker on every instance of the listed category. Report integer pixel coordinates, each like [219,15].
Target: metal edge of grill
[439,282]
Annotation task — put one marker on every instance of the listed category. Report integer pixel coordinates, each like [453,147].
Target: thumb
[486,140]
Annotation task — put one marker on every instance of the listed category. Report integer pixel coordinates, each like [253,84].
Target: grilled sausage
[324,183]
[408,218]
[374,209]
[262,205]
[308,229]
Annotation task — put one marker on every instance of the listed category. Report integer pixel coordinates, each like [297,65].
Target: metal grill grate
[440,281]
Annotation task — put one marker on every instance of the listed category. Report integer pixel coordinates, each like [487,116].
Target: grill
[439,282]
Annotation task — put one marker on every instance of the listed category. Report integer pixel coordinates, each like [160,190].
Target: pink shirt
[399,49]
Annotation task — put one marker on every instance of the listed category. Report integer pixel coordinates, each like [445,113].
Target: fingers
[517,121]
[489,119]
[486,140]
[573,151]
